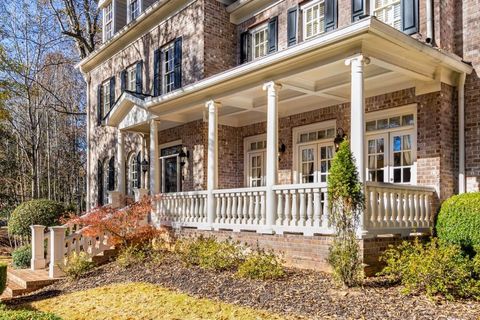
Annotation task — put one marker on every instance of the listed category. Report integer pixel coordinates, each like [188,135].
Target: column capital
[272,85]
[212,105]
[360,59]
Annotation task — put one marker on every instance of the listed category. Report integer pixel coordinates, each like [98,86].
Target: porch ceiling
[314,75]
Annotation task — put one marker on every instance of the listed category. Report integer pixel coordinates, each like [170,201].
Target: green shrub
[261,265]
[459,221]
[130,256]
[41,212]
[347,202]
[77,265]
[6,314]
[3,277]
[21,257]
[436,268]
[208,253]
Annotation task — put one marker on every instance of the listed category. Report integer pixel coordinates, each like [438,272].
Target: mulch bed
[305,293]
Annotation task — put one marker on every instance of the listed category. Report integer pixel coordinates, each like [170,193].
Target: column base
[38,264]
[140,193]
[55,272]
[116,199]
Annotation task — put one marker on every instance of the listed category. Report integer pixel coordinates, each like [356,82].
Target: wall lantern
[282,148]
[183,156]
[145,165]
[339,138]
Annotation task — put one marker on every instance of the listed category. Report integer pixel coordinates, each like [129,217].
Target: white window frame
[388,154]
[130,15]
[263,28]
[132,173]
[321,26]
[318,126]
[373,11]
[131,81]
[105,98]
[248,152]
[106,173]
[162,163]
[168,86]
[108,20]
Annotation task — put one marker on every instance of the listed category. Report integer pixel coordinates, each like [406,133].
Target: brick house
[231,109]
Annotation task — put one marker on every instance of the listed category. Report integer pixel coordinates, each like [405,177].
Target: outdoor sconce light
[145,165]
[282,148]
[183,156]
[339,138]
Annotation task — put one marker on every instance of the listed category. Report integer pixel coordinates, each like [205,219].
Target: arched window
[133,176]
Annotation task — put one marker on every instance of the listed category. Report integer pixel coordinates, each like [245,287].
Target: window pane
[397,143]
[380,145]
[394,122]
[371,162]
[372,175]
[407,158]
[322,134]
[407,120]
[382,124]
[330,133]
[397,175]
[407,174]
[371,125]
[380,161]
[380,177]
[407,143]
[371,146]
[397,159]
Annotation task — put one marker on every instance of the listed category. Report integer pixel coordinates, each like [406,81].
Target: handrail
[240,190]
[317,185]
[398,186]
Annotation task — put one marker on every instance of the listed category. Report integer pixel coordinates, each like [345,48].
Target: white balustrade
[393,207]
[182,208]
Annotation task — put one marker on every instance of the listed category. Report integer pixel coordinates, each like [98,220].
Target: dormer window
[133,9]
[389,12]
[313,19]
[108,22]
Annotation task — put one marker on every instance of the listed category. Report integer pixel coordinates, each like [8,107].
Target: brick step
[29,279]
[14,290]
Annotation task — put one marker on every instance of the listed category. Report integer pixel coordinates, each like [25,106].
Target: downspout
[461,133]
[429,12]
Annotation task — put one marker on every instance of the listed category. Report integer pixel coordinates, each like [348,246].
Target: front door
[171,177]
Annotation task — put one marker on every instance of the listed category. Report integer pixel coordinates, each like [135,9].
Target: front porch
[236,151]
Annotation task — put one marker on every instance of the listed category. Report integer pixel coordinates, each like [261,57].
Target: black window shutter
[139,170]
[100,183]
[292,26]
[112,92]
[410,16]
[358,9]
[139,77]
[273,34]
[330,15]
[177,61]
[111,174]
[123,79]
[156,73]
[246,47]
[99,105]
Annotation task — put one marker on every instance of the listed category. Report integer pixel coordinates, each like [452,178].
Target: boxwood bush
[43,212]
[459,221]
[21,257]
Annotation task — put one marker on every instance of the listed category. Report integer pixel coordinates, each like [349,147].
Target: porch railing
[301,208]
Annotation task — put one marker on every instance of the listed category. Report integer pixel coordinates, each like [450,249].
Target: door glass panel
[170,172]
[402,158]
[307,160]
[326,155]
[375,158]
[256,170]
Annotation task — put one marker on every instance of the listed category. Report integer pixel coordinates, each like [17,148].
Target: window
[132,78]
[313,19]
[105,98]
[260,42]
[134,9]
[389,12]
[168,69]
[255,160]
[132,174]
[314,150]
[108,21]
[391,145]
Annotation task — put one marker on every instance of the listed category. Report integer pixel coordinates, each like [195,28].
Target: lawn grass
[143,301]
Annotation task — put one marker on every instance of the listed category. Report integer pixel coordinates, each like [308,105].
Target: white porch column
[357,111]
[154,159]
[212,161]
[272,89]
[120,162]
[38,247]
[57,251]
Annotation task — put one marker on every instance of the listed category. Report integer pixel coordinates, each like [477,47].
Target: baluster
[421,201]
[257,209]
[381,214]
[218,208]
[326,210]
[317,209]
[251,212]
[388,209]
[288,212]
[301,221]
[229,208]
[245,215]
[234,215]
[309,208]
[374,217]
[428,211]
[294,220]
[262,208]
[401,208]
[278,194]
[224,208]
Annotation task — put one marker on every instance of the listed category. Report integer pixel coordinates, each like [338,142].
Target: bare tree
[78,19]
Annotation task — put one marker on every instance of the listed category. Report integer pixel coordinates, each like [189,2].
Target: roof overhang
[393,55]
